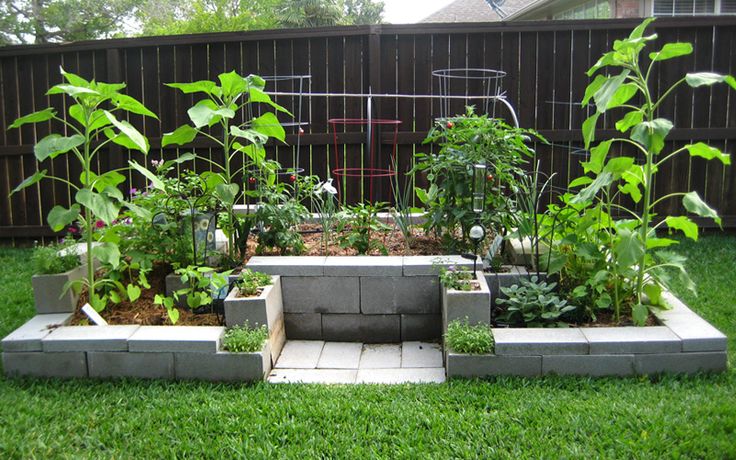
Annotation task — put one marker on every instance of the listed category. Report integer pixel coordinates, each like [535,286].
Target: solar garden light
[477,232]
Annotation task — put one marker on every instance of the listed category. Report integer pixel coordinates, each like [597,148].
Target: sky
[410,11]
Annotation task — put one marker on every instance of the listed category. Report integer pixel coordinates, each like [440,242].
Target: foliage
[216,117]
[249,282]
[634,258]
[534,303]
[402,211]
[324,200]
[201,283]
[243,339]
[47,21]
[464,141]
[358,225]
[55,258]
[319,13]
[464,338]
[278,215]
[92,124]
[457,278]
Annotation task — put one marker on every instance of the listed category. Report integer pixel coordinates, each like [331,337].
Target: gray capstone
[28,336]
[539,341]
[88,338]
[196,339]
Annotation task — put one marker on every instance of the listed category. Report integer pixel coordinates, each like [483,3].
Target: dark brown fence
[544,61]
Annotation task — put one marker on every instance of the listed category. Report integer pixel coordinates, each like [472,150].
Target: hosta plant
[635,255]
[94,120]
[534,303]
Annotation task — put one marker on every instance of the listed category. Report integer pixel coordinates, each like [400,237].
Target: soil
[604,318]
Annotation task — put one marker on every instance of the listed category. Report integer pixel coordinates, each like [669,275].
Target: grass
[552,417]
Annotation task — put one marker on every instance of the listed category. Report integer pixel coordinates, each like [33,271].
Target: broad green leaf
[652,134]
[107,90]
[608,89]
[618,166]
[71,90]
[108,179]
[632,118]
[632,190]
[173,314]
[587,194]
[694,204]
[256,95]
[252,135]
[582,180]
[227,193]
[589,129]
[156,183]
[269,125]
[634,175]
[37,176]
[134,292]
[622,95]
[207,113]
[183,158]
[593,87]
[677,261]
[127,130]
[113,192]
[212,179]
[639,313]
[638,31]
[107,253]
[181,136]
[628,248]
[598,156]
[255,152]
[704,79]
[653,243]
[202,86]
[607,59]
[705,151]
[59,217]
[422,195]
[671,50]
[98,120]
[73,79]
[140,211]
[654,292]
[255,81]
[132,105]
[232,84]
[730,80]
[35,117]
[54,145]
[101,205]
[684,224]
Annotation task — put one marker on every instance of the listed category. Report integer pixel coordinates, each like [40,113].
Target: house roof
[475,11]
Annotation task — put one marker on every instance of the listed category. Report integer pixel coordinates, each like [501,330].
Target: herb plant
[358,225]
[250,282]
[325,203]
[464,338]
[92,124]
[55,258]
[243,339]
[278,215]
[457,278]
[201,283]
[633,250]
[534,303]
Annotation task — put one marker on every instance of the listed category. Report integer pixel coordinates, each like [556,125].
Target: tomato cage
[478,87]
[370,168]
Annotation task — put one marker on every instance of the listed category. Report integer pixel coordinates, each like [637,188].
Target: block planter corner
[47,291]
[473,305]
[224,366]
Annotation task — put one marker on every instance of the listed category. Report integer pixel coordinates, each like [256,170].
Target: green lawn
[690,417]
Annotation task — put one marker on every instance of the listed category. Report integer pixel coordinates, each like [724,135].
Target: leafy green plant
[214,117]
[632,247]
[358,225]
[402,210]
[325,203]
[464,338]
[466,140]
[92,124]
[249,282]
[201,283]
[243,339]
[278,216]
[457,278]
[534,303]
[55,258]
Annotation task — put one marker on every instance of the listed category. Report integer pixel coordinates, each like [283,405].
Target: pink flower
[133,191]
[99,224]
[72,229]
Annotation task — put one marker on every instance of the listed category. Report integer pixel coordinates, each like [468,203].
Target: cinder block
[105,364]
[364,266]
[38,364]
[696,333]
[28,336]
[431,265]
[681,363]
[390,295]
[162,339]
[539,341]
[361,328]
[303,326]
[288,265]
[421,327]
[479,366]
[173,284]
[223,366]
[321,294]
[522,253]
[88,338]
[48,289]
[264,309]
[616,340]
[507,279]
[475,306]
[592,365]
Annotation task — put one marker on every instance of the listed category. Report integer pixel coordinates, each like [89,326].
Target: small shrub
[534,303]
[457,278]
[47,261]
[464,338]
[249,282]
[243,339]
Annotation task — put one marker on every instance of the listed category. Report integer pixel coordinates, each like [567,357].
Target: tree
[358,12]
[44,21]
[317,13]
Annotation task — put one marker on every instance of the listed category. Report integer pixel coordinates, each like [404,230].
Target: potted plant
[465,296]
[56,266]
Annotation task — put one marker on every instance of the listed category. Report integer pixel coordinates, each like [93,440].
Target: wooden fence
[545,63]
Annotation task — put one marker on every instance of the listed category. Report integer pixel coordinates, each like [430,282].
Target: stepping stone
[340,355]
[403,375]
[421,354]
[300,354]
[322,376]
[380,356]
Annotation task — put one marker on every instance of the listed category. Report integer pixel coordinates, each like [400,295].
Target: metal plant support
[479,87]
